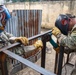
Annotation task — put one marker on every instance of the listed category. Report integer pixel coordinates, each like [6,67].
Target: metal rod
[56,63]
[3,64]
[43,53]
[61,54]
[39,35]
[28,63]
[31,38]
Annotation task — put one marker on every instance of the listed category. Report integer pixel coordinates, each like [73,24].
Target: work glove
[33,49]
[38,44]
[23,40]
[55,31]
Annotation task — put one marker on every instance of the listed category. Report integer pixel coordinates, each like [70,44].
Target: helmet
[62,23]
[4,16]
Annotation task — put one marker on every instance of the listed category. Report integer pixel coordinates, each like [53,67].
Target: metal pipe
[60,61]
[39,35]
[43,53]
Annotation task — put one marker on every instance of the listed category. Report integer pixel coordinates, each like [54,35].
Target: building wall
[50,9]
[2,1]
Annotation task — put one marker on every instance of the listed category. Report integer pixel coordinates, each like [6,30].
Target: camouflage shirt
[4,41]
[70,40]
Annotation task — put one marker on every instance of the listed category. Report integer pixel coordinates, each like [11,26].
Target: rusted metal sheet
[25,23]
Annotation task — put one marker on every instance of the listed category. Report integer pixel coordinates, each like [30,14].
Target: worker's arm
[68,41]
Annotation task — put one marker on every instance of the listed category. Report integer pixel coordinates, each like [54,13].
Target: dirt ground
[50,60]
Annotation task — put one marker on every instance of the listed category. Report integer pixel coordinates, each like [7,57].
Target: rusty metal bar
[3,64]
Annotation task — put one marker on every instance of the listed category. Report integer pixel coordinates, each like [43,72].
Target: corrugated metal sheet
[25,23]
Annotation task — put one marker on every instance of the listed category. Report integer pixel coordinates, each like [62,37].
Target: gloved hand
[23,40]
[55,31]
[38,44]
[57,49]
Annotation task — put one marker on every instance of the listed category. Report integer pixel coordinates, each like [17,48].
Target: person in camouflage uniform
[65,31]
[7,39]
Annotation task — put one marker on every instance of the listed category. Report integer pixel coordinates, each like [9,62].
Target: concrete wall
[50,9]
